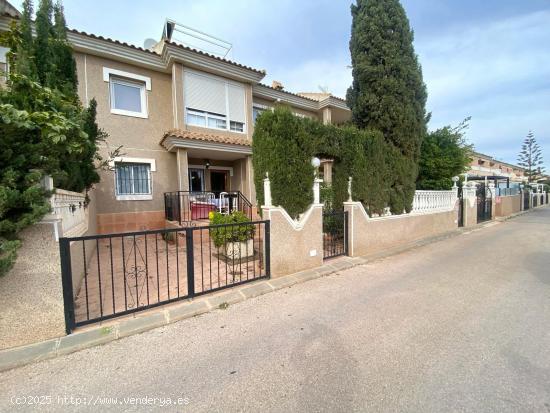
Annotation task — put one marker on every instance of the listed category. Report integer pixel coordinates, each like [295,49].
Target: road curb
[112,330]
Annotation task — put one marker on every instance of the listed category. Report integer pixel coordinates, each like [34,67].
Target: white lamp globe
[315,162]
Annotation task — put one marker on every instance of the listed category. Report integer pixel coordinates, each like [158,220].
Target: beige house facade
[183,119]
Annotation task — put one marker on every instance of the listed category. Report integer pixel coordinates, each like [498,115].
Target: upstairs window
[257,111]
[128,92]
[128,98]
[213,102]
[3,62]
[205,119]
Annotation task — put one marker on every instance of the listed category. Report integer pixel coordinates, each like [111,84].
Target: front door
[218,181]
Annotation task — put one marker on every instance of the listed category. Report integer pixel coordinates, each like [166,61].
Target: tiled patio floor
[125,272]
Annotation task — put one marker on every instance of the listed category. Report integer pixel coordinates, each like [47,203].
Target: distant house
[485,165]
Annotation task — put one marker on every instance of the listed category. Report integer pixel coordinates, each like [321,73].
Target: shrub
[444,154]
[230,233]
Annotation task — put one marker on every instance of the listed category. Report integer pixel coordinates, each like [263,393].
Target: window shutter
[204,93]
[236,98]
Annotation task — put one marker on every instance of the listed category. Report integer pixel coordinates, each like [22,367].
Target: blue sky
[485,59]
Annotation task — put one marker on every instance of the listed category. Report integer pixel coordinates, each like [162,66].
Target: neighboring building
[485,165]
[184,119]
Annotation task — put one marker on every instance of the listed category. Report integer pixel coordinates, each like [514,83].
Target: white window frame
[225,117]
[235,122]
[207,116]
[134,197]
[4,60]
[128,79]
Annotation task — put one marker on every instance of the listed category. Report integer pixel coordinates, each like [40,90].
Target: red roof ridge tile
[206,136]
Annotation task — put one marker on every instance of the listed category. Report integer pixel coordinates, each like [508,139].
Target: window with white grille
[133,181]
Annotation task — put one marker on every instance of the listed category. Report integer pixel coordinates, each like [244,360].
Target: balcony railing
[186,206]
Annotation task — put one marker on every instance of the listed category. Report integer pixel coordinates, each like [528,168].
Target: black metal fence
[525,197]
[185,206]
[460,207]
[335,234]
[106,276]
[535,200]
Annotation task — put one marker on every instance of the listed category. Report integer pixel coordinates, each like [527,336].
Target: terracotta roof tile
[262,71]
[108,39]
[207,137]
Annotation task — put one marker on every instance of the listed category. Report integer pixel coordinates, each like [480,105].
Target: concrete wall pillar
[177,96]
[492,192]
[295,245]
[469,206]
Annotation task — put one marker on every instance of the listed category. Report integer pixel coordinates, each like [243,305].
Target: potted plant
[234,235]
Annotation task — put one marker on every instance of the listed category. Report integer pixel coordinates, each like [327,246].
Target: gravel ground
[459,325]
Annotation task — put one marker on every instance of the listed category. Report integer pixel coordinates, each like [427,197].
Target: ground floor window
[132,179]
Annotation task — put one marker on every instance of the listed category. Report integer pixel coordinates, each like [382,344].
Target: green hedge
[281,147]
[284,144]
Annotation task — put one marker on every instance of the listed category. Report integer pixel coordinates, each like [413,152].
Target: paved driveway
[459,325]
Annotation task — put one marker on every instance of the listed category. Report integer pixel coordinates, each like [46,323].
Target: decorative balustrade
[70,208]
[433,201]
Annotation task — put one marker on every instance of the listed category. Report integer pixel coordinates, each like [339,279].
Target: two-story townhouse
[484,165]
[185,121]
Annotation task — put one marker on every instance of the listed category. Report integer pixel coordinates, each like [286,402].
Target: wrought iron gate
[525,200]
[335,234]
[484,204]
[106,276]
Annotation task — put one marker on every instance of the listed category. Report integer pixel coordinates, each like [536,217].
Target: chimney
[277,85]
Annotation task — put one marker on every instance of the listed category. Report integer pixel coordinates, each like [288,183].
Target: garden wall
[371,235]
[31,295]
[507,205]
[295,245]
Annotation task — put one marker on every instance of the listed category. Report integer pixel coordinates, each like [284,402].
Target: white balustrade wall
[70,208]
[433,201]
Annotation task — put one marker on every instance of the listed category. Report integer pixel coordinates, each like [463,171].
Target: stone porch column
[249,188]
[183,169]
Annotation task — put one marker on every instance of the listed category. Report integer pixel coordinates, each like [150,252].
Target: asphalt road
[458,325]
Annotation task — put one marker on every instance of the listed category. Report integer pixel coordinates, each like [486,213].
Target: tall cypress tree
[24,50]
[388,93]
[65,65]
[44,55]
